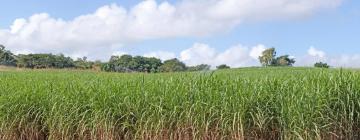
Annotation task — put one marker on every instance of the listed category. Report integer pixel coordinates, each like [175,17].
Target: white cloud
[316,53]
[244,56]
[235,56]
[198,54]
[17,25]
[163,55]
[257,51]
[110,25]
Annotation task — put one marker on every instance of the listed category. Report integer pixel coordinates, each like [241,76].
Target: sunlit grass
[249,103]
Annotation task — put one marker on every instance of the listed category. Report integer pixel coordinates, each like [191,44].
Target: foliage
[223,66]
[41,61]
[172,65]
[6,57]
[321,65]
[284,60]
[128,63]
[269,58]
[201,67]
[83,63]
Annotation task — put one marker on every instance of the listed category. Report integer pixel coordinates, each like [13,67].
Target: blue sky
[333,30]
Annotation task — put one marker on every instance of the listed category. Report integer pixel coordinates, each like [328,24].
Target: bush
[223,66]
[321,65]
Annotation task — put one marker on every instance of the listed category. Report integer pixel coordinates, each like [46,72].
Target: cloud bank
[235,56]
[111,27]
[245,56]
[315,55]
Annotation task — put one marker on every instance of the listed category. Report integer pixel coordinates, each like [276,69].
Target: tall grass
[252,103]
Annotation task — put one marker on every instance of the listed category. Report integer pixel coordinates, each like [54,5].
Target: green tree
[83,63]
[223,66]
[128,63]
[284,60]
[107,67]
[321,65]
[172,65]
[40,61]
[123,63]
[152,64]
[6,57]
[61,61]
[201,67]
[268,57]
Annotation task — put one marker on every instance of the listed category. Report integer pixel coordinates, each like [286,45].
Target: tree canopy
[128,63]
[321,65]
[40,61]
[223,66]
[284,60]
[172,65]
[6,57]
[201,67]
[268,58]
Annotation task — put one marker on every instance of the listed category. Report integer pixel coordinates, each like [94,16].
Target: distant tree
[284,60]
[41,61]
[83,63]
[120,63]
[321,65]
[152,64]
[172,65]
[268,56]
[107,67]
[201,67]
[6,57]
[97,65]
[223,66]
[128,63]
[61,61]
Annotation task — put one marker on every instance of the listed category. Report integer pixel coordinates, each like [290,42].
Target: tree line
[124,63]
[127,63]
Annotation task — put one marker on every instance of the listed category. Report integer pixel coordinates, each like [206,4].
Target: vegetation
[201,67]
[42,61]
[124,63]
[128,63]
[223,66]
[252,103]
[321,65]
[269,58]
[6,57]
[172,65]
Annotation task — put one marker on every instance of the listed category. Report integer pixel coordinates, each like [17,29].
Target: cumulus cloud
[235,56]
[244,56]
[111,27]
[257,51]
[199,53]
[316,53]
